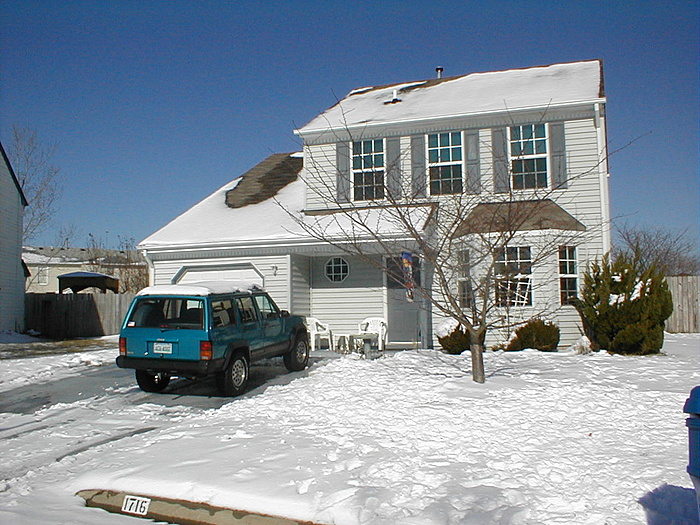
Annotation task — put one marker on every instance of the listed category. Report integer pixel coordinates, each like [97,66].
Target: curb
[179,511]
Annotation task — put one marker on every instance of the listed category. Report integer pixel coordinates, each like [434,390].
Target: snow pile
[555,438]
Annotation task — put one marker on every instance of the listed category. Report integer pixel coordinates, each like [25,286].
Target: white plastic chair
[319,331]
[375,325]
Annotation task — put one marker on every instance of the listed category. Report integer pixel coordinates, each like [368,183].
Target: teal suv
[202,329]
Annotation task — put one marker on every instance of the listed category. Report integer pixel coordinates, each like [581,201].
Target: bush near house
[456,341]
[538,334]
[623,306]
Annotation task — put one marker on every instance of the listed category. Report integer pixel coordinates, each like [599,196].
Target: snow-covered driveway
[406,439]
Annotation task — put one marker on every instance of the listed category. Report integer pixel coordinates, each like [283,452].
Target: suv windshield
[167,312]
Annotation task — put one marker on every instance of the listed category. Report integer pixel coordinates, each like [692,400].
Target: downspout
[603,175]
[151,268]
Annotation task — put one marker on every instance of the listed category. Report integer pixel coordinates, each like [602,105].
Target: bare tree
[670,251]
[125,263]
[39,177]
[471,274]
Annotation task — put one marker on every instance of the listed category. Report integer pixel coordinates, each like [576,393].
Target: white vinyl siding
[300,282]
[343,305]
[11,272]
[319,173]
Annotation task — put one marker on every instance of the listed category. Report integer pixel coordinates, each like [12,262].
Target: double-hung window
[528,156]
[445,163]
[513,268]
[464,282]
[368,169]
[568,274]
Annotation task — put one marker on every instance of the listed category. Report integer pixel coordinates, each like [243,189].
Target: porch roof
[542,214]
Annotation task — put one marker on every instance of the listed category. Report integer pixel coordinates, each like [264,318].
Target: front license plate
[136,505]
[162,348]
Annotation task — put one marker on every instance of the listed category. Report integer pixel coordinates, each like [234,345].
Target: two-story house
[476,150]
[12,271]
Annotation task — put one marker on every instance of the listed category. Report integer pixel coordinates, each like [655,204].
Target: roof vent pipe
[438,70]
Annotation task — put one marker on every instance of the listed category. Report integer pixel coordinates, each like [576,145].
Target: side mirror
[284,313]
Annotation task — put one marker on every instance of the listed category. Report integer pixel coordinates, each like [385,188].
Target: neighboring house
[46,264]
[12,271]
[437,138]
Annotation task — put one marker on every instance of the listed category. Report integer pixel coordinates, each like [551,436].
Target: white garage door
[244,273]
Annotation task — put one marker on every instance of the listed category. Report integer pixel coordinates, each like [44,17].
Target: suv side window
[222,312]
[246,309]
[266,307]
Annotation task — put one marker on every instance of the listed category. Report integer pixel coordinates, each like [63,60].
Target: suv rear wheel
[152,382]
[233,381]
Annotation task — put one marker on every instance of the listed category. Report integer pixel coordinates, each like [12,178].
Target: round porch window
[337,269]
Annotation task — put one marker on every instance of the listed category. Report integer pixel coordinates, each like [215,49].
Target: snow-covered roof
[472,94]
[213,222]
[202,288]
[244,220]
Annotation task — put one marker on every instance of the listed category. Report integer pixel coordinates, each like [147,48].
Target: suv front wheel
[233,381]
[298,358]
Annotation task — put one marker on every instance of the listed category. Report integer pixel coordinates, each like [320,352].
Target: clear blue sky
[156,104]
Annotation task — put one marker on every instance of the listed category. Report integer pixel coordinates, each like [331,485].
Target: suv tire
[233,381]
[297,359]
[152,382]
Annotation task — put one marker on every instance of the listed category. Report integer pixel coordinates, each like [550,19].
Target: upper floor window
[528,155]
[568,274]
[445,163]
[368,169]
[513,267]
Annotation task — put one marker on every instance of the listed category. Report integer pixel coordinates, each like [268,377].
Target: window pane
[444,139]
[539,130]
[367,146]
[378,145]
[456,138]
[457,154]
[432,141]
[433,156]
[527,132]
[541,146]
[528,148]
[515,133]
[379,161]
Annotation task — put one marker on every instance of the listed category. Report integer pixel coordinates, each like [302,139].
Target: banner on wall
[407,267]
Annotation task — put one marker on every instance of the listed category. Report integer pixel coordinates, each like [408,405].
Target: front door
[403,313]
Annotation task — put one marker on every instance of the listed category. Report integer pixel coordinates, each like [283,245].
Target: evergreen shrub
[536,333]
[624,306]
[456,341]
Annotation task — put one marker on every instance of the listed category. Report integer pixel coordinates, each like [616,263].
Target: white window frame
[440,163]
[516,155]
[370,164]
[336,269]
[568,272]
[42,275]
[513,287]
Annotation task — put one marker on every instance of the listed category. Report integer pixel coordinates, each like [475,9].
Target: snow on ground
[555,438]
[49,360]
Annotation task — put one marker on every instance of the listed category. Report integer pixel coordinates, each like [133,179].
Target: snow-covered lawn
[551,438]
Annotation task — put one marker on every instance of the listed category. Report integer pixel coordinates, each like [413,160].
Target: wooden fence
[66,316]
[685,318]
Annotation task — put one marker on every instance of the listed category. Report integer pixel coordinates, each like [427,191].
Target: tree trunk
[477,351]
